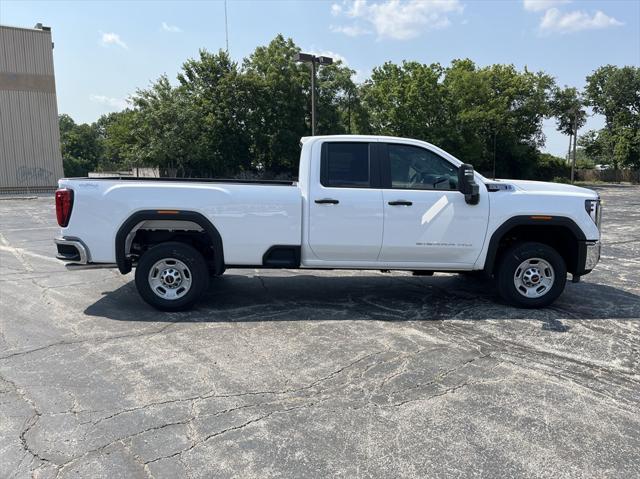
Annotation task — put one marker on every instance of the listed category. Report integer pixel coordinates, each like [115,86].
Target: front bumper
[592,255]
[588,257]
[72,249]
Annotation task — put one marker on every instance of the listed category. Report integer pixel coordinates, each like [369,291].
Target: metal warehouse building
[30,159]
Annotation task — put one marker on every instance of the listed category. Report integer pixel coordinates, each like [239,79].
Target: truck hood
[547,187]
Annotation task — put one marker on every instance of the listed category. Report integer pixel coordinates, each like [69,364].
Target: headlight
[594,209]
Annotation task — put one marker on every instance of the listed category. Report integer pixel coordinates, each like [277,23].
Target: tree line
[227,119]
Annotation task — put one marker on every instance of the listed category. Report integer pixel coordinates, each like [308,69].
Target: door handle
[400,203]
[327,201]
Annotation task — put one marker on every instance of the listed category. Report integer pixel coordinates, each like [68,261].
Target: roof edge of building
[33,29]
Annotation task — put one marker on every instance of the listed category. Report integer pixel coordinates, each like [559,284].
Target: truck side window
[345,165]
[415,168]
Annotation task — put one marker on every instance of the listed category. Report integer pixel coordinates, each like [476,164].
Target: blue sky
[104,51]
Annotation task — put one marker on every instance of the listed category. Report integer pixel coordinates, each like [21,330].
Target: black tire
[509,266]
[196,273]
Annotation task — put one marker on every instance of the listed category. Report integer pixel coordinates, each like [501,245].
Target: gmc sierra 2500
[361,202]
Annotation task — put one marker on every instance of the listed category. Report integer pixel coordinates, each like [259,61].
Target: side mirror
[467,184]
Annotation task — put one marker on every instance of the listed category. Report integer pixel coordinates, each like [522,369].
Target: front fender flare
[527,220]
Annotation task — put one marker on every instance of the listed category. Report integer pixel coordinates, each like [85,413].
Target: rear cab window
[346,165]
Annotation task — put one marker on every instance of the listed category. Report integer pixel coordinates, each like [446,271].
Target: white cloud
[539,5]
[395,19]
[113,39]
[170,28]
[349,30]
[556,21]
[118,103]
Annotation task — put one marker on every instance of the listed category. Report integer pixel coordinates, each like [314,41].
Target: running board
[78,266]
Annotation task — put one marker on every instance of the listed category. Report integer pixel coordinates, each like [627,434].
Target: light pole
[314,60]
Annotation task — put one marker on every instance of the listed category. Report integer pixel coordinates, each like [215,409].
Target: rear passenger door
[345,205]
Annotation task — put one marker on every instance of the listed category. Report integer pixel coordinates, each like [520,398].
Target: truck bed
[251,216]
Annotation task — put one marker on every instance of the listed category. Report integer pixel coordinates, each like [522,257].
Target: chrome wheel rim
[170,279]
[534,278]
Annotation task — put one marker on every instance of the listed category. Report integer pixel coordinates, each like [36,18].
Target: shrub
[551,168]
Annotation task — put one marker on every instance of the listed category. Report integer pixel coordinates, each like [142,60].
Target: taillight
[64,204]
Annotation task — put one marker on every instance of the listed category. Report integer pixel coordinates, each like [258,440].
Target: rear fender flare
[130,224]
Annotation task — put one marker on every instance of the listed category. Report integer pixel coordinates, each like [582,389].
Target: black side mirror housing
[467,184]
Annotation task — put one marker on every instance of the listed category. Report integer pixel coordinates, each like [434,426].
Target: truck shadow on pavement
[306,297]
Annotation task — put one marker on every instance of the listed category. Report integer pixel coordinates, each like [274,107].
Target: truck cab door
[426,218]
[345,205]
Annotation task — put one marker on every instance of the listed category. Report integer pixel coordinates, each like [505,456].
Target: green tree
[496,112]
[117,131]
[280,111]
[224,119]
[475,113]
[406,100]
[279,107]
[337,100]
[567,106]
[81,146]
[220,98]
[594,144]
[614,92]
[163,128]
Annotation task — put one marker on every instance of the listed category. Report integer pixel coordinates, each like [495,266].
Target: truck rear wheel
[172,276]
[531,275]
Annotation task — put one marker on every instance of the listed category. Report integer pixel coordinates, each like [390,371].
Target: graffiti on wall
[33,176]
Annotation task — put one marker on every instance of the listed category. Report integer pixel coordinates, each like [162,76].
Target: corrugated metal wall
[29,135]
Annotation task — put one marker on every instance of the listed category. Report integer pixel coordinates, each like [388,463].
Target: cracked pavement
[284,373]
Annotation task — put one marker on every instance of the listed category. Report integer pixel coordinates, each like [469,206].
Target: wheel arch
[130,225]
[559,232]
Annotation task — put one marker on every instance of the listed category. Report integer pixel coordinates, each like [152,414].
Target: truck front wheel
[531,275]
[172,276]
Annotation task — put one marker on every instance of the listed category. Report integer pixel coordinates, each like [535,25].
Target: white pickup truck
[360,202]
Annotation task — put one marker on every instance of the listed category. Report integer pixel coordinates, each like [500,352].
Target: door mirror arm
[467,184]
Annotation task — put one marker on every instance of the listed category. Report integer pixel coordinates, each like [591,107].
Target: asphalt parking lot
[316,374]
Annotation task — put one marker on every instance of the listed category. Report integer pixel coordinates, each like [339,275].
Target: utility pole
[575,136]
[495,134]
[313,98]
[226,26]
[314,60]
[349,112]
